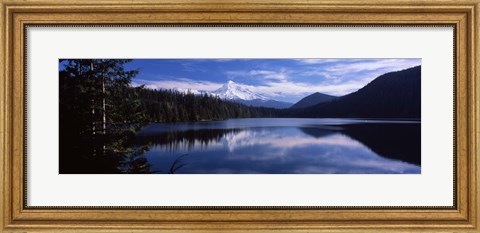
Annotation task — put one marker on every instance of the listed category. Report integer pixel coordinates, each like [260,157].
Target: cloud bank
[283,79]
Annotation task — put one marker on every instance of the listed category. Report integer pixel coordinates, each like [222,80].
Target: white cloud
[318,73]
[272,75]
[334,78]
[179,83]
[337,77]
[374,64]
[280,75]
[364,65]
[275,89]
[341,79]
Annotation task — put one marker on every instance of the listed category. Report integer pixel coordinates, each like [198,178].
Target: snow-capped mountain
[234,91]
[243,94]
[239,93]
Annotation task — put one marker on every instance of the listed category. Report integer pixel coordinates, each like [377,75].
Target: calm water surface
[283,146]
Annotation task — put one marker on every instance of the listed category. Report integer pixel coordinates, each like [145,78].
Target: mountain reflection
[316,149]
[185,140]
[396,141]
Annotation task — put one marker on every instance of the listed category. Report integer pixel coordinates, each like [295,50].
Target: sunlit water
[283,146]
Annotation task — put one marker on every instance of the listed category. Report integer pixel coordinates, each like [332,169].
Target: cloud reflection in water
[304,149]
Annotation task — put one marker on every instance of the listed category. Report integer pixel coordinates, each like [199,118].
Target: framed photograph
[164,116]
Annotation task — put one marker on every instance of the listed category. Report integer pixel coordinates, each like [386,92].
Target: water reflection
[284,148]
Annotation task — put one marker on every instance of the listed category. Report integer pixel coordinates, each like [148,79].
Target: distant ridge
[313,99]
[391,95]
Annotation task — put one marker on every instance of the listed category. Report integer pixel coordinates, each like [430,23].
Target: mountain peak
[313,99]
[232,91]
[230,84]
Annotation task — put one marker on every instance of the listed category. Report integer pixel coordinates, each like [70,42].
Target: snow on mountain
[235,91]
[186,91]
[243,94]
[240,93]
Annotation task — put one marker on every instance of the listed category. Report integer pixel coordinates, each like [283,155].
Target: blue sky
[280,79]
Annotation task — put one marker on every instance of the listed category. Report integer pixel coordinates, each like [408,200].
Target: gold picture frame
[16,216]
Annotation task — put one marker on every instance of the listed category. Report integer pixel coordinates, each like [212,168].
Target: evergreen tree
[99,114]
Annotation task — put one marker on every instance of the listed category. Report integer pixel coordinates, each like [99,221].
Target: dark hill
[313,99]
[391,95]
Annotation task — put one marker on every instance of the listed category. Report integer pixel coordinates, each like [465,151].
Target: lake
[283,146]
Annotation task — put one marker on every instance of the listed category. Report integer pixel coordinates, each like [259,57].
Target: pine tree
[100,114]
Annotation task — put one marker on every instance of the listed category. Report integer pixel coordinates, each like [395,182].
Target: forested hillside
[174,106]
[391,95]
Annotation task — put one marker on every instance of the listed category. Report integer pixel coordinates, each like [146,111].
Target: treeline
[174,106]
